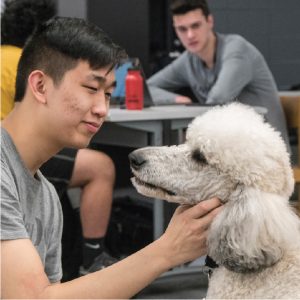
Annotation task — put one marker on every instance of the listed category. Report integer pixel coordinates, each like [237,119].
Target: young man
[218,68]
[92,171]
[64,82]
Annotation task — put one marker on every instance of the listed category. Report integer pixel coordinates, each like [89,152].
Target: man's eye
[196,26]
[108,96]
[181,29]
[91,88]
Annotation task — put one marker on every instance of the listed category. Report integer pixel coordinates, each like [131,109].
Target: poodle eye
[199,157]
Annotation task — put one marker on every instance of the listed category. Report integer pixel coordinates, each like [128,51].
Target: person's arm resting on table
[169,79]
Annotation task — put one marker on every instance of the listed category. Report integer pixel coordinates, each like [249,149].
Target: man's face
[194,30]
[79,104]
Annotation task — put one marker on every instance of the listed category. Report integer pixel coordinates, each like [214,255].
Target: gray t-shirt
[240,72]
[30,208]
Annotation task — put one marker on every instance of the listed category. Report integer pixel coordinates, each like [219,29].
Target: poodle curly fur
[231,153]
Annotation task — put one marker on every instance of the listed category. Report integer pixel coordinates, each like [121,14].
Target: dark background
[144,28]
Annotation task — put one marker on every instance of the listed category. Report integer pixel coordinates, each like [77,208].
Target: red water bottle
[134,90]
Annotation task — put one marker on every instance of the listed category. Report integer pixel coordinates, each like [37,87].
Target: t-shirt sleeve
[53,266]
[12,221]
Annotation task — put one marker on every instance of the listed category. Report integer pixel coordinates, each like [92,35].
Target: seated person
[218,68]
[64,90]
[92,171]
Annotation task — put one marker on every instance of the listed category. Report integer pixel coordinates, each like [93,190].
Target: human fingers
[204,222]
[182,99]
[181,220]
[178,213]
[181,208]
[185,237]
[202,208]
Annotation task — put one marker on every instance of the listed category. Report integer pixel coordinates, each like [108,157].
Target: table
[147,126]
[289,93]
[151,126]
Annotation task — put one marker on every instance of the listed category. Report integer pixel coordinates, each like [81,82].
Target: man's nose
[190,33]
[100,106]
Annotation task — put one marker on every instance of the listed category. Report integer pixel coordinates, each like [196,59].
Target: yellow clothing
[10,56]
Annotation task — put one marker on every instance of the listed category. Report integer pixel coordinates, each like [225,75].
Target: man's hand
[182,100]
[186,234]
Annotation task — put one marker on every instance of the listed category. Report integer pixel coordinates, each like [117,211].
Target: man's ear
[37,85]
[210,21]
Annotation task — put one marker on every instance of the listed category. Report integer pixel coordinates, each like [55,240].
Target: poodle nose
[136,160]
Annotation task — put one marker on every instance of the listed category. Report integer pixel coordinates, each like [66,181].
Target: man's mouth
[193,44]
[152,186]
[92,127]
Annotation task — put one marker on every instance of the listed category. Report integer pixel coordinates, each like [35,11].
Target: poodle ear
[252,231]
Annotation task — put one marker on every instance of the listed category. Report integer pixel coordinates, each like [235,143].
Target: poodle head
[236,141]
[232,154]
[225,147]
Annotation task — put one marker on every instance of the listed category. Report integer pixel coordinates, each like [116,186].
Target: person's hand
[182,100]
[185,237]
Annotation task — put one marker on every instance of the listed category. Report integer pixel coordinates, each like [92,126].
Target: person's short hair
[59,44]
[180,7]
[20,17]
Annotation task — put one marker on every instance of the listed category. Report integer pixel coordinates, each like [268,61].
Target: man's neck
[208,54]
[31,144]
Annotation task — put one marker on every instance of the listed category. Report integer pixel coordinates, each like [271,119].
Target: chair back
[291,108]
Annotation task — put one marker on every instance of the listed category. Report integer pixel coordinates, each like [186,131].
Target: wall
[72,8]
[273,26]
[126,21]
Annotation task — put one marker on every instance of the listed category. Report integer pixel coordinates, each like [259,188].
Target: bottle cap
[134,68]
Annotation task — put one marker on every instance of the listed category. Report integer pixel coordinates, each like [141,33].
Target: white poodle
[232,154]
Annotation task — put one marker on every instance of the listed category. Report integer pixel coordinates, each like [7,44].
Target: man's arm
[22,271]
[161,97]
[169,79]
[23,274]
[236,72]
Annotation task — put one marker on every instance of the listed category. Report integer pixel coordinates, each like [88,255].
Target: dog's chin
[151,190]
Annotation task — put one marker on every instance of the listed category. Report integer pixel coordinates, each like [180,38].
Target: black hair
[180,7]
[59,44]
[20,17]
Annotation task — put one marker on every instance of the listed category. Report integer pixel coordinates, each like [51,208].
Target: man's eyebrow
[113,84]
[188,26]
[100,79]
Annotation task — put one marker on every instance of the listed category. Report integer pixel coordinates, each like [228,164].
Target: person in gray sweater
[218,68]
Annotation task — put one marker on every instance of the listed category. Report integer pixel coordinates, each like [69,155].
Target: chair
[291,107]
